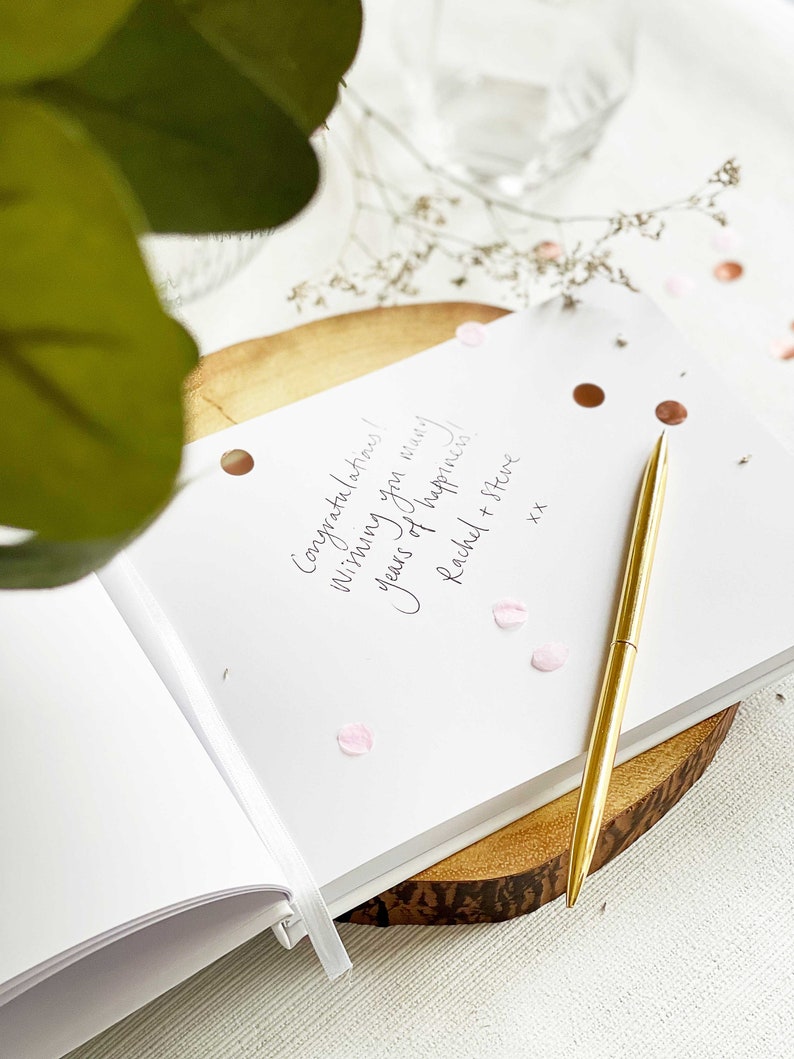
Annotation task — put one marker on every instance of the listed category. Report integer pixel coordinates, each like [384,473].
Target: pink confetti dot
[355,739]
[726,240]
[548,250]
[471,333]
[679,285]
[509,613]
[550,656]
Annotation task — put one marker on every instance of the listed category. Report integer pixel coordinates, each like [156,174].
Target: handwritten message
[400,496]
[471,533]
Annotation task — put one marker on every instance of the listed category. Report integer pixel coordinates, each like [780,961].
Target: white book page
[350,576]
[55,1015]
[111,814]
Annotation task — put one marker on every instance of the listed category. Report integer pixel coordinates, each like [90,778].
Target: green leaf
[202,146]
[45,564]
[42,38]
[91,368]
[296,50]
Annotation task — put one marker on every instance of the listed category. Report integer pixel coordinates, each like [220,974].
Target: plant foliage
[118,118]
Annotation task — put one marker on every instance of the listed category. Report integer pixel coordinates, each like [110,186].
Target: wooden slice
[521,867]
[524,865]
[253,377]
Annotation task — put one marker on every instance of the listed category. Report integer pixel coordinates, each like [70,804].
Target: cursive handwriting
[326,533]
[493,489]
[422,428]
[465,548]
[437,486]
[358,554]
[411,604]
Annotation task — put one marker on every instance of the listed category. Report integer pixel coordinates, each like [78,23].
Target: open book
[171,779]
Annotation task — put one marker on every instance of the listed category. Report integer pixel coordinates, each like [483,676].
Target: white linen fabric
[693,954]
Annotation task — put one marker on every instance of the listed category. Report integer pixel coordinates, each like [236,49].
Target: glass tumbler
[511,92]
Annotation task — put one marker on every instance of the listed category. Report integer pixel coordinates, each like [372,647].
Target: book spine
[161,642]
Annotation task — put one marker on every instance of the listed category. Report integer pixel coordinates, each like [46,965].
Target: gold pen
[618,671]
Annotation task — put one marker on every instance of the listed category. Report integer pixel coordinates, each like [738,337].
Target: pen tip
[572,891]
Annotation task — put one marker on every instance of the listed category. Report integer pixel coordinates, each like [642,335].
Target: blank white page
[110,811]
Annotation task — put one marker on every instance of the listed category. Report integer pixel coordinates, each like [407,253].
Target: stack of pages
[350,578]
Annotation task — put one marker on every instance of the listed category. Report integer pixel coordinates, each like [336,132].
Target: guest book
[291,691]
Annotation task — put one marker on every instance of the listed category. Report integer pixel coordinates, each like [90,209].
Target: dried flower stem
[418,228]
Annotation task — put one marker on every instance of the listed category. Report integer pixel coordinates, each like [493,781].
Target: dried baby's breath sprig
[435,216]
[728,175]
[649,225]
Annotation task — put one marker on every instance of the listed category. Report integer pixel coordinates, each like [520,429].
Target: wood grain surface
[524,865]
[253,377]
[521,867]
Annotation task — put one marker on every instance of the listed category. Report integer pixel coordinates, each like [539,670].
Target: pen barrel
[618,671]
[642,546]
[600,758]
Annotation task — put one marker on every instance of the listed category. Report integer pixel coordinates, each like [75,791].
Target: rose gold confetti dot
[679,285]
[355,739]
[471,333]
[548,250]
[728,271]
[671,413]
[726,240]
[588,395]
[509,613]
[792,325]
[550,656]
[782,349]
[237,461]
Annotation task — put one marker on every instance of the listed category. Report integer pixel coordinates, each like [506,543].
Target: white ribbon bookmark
[202,714]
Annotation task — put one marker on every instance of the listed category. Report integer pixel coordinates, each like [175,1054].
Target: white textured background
[693,956]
